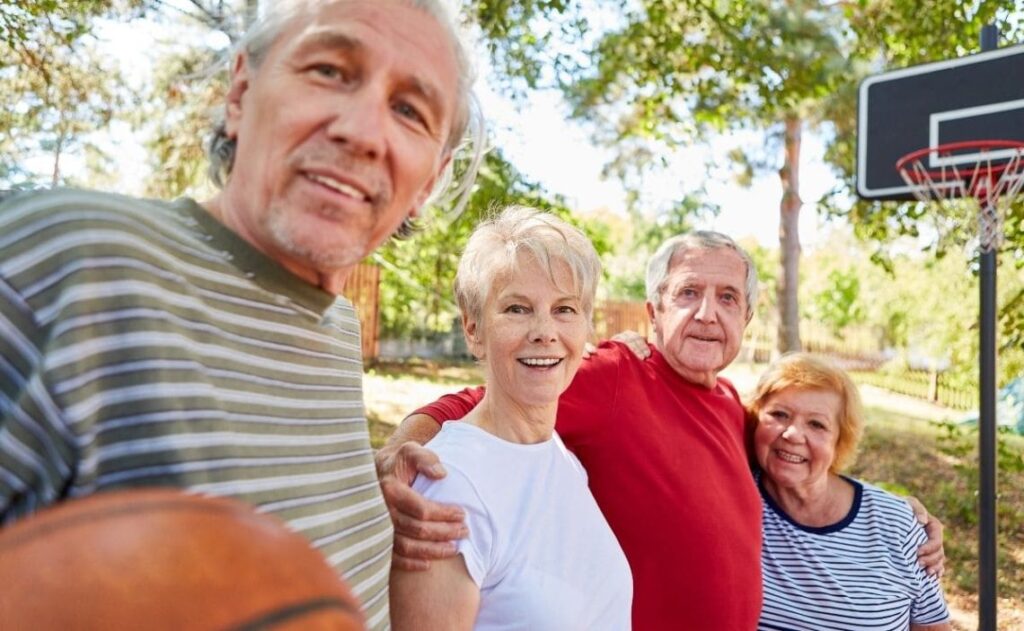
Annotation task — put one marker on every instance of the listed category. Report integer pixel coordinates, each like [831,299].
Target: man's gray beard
[320,261]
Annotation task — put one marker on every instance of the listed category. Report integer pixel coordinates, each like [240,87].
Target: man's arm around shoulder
[424,530]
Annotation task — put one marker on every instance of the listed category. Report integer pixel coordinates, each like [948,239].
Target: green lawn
[938,464]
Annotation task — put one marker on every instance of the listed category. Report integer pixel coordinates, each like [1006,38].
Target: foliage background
[646,77]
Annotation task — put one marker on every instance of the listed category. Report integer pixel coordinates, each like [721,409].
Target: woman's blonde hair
[499,244]
[809,372]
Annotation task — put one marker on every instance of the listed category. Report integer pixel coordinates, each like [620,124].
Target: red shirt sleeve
[452,407]
[588,404]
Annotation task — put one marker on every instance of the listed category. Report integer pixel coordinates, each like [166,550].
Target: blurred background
[636,120]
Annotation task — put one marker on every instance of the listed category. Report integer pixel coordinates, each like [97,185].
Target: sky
[547,149]
[566,162]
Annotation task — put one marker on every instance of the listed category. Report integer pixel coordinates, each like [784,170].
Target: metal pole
[987,527]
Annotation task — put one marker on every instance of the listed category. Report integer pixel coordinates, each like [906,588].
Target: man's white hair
[658,266]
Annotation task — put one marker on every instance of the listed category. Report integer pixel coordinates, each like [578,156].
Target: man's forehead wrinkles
[330,38]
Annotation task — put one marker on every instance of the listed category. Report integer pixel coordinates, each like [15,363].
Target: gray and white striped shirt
[142,343]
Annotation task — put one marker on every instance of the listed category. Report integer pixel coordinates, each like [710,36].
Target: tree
[915,303]
[187,86]
[57,89]
[672,72]
[677,71]
[416,297]
[838,305]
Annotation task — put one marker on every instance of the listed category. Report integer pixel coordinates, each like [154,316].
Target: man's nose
[360,122]
[706,310]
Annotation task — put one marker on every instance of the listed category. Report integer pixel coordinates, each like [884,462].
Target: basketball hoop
[990,171]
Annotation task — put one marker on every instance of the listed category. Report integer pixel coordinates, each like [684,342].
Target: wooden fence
[363,290]
[611,317]
[921,384]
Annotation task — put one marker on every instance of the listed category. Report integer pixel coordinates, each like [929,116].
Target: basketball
[165,559]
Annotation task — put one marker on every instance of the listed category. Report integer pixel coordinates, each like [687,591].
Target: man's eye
[328,71]
[410,112]
[729,297]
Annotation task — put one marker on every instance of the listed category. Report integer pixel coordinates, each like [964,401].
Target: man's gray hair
[499,245]
[468,133]
[658,266]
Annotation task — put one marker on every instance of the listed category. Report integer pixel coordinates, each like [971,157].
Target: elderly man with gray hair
[204,346]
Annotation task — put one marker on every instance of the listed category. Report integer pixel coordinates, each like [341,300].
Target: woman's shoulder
[484,461]
[884,507]
[462,447]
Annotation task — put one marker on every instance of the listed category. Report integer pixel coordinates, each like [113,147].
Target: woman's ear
[474,336]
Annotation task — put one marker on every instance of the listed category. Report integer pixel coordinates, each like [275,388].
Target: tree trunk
[789,240]
[251,12]
[58,149]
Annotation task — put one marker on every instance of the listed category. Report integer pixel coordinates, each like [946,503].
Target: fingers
[405,563]
[403,500]
[428,521]
[406,461]
[932,558]
[415,556]
[424,530]
[640,348]
[636,343]
[934,564]
[931,555]
[417,459]
[413,550]
[588,350]
[920,512]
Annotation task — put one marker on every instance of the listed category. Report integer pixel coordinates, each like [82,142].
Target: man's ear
[474,337]
[428,188]
[240,75]
[650,316]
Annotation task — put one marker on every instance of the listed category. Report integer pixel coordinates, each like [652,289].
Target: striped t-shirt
[142,343]
[861,573]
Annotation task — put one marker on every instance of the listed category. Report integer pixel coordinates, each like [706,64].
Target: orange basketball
[164,559]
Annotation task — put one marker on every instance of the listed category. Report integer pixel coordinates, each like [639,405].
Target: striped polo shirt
[142,343]
[858,574]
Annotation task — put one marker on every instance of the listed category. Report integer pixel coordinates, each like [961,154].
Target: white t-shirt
[538,547]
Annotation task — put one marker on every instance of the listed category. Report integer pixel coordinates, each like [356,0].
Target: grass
[901,452]
[441,373]
[938,464]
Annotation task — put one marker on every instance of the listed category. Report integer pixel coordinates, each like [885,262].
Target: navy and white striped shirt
[860,573]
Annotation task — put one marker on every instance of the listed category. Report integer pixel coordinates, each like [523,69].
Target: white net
[994,180]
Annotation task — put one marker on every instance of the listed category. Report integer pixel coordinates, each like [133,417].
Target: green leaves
[59,90]
[416,290]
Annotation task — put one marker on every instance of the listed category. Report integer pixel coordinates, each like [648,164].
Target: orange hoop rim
[921,175]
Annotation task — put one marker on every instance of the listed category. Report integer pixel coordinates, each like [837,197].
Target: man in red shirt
[662,441]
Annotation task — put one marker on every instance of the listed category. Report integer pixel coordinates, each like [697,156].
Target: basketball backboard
[972,98]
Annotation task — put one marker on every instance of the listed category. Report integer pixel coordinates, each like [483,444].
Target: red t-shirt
[668,467]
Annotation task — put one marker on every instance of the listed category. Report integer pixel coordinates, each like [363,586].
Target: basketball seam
[269,620]
[106,512]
